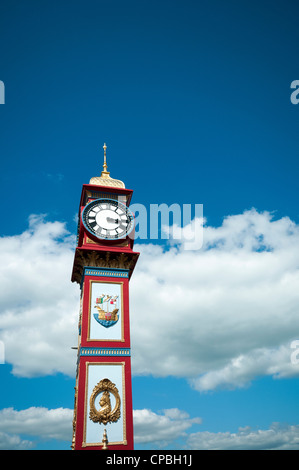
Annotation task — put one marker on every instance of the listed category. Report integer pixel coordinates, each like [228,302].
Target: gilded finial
[105,178]
[105,440]
[105,172]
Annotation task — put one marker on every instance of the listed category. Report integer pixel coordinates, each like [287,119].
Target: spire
[105,172]
[105,178]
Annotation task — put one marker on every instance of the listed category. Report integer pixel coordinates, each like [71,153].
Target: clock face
[107,219]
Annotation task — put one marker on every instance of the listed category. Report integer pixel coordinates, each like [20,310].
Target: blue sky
[193,101]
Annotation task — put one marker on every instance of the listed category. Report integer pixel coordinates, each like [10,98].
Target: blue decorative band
[105,351]
[105,272]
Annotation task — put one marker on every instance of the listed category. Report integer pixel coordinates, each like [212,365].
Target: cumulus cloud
[44,424]
[222,315]
[14,442]
[219,316]
[39,422]
[163,428]
[38,304]
[277,437]
[150,428]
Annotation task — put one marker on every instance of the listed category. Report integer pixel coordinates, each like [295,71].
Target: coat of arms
[107,307]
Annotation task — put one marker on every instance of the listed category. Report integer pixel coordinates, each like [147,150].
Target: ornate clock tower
[103,265]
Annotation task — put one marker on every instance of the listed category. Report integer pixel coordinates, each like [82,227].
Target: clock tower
[103,264]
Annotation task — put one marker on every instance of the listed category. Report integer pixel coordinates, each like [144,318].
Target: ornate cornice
[98,259]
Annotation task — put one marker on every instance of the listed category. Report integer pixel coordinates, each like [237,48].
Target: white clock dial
[107,219]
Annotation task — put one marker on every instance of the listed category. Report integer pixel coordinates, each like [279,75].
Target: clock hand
[110,219]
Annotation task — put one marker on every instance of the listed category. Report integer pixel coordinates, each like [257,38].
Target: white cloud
[44,424]
[14,442]
[38,422]
[38,304]
[246,367]
[161,429]
[164,428]
[150,428]
[219,316]
[222,315]
[277,437]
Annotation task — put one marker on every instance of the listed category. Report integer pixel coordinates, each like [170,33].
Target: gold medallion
[105,414]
